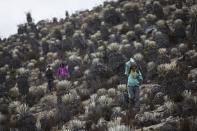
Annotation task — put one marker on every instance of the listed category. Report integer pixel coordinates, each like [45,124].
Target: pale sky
[12,12]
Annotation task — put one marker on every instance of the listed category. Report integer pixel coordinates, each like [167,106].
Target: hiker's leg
[131,94]
[50,85]
[136,99]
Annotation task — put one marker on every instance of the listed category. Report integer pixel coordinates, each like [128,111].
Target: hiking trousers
[50,85]
[134,95]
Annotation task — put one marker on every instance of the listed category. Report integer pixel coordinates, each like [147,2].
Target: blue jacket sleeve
[126,69]
[139,77]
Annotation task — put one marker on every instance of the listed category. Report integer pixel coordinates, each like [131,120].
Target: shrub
[119,128]
[112,92]
[96,37]
[57,34]
[115,60]
[67,14]
[151,66]
[21,29]
[14,92]
[179,29]
[49,101]
[113,38]
[12,106]
[126,50]
[161,39]
[163,27]
[163,56]
[138,29]
[51,57]
[150,44]
[138,57]
[193,30]
[23,110]
[74,60]
[151,70]
[101,92]
[131,35]
[55,21]
[30,65]
[25,119]
[165,68]
[170,105]
[137,45]
[124,28]
[76,125]
[122,88]
[98,69]
[178,14]
[44,32]
[114,47]
[104,31]
[69,29]
[78,40]
[55,64]
[68,99]
[91,24]
[28,17]
[151,19]
[125,41]
[111,16]
[84,93]
[182,48]
[158,10]
[22,80]
[95,61]
[187,94]
[3,74]
[3,119]
[64,85]
[132,12]
[37,91]
[48,120]
[105,101]
[170,80]
[162,51]
[97,55]
[174,52]
[142,22]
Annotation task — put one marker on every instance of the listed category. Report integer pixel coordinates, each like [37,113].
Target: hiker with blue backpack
[135,78]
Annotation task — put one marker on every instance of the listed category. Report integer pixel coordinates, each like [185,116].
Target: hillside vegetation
[160,35]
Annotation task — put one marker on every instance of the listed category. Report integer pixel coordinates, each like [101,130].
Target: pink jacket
[63,72]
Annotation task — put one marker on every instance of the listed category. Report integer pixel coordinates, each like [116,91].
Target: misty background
[12,12]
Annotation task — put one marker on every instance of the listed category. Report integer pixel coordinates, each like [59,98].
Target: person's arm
[140,78]
[126,69]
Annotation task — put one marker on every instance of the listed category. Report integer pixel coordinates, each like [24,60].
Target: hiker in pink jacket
[63,72]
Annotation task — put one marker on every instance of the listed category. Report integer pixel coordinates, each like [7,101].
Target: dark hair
[133,65]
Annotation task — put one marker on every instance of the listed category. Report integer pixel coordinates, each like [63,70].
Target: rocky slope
[160,35]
